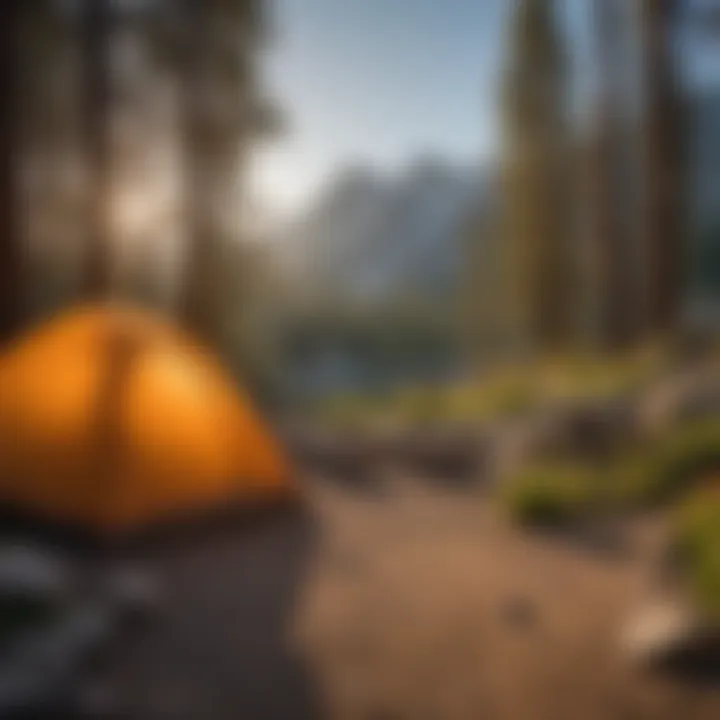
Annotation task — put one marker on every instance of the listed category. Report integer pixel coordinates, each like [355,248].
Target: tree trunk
[96,40]
[199,300]
[663,166]
[10,210]
[539,262]
[613,264]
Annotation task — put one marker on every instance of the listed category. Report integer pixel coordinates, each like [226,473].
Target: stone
[660,631]
[43,668]
[32,573]
[134,592]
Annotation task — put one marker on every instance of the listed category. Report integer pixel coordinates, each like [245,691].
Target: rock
[662,631]
[41,670]
[134,592]
[97,702]
[450,454]
[340,457]
[32,573]
[702,401]
[692,395]
[598,429]
[588,431]
[521,441]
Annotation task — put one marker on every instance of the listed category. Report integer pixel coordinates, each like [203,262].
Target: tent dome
[111,419]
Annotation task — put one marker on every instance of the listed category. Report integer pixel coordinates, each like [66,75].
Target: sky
[377,81]
[382,81]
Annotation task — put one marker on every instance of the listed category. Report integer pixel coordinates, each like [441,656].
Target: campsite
[359,359]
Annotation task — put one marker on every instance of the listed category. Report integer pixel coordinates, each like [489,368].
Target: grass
[551,494]
[500,393]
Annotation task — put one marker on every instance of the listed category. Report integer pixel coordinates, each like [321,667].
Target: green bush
[632,479]
[697,539]
[551,495]
[558,492]
[664,470]
[682,459]
[514,399]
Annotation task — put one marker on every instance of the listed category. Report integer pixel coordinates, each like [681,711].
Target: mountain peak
[371,239]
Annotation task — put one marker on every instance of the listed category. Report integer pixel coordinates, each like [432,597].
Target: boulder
[33,573]
[663,631]
[134,592]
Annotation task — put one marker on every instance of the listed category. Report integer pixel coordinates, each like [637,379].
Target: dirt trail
[410,604]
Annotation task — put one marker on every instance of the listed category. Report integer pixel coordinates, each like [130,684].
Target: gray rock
[691,395]
[599,428]
[33,573]
[41,670]
[97,701]
[521,441]
[135,593]
[450,454]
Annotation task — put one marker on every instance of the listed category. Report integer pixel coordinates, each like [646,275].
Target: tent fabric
[112,419]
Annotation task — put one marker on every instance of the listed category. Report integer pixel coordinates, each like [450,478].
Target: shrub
[697,543]
[558,492]
[665,469]
[551,495]
[633,479]
[347,411]
[682,458]
[513,398]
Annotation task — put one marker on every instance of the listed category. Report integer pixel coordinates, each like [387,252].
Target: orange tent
[112,420]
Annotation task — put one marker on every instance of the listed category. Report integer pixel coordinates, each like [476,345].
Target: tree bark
[96,41]
[664,174]
[199,299]
[10,207]
[613,264]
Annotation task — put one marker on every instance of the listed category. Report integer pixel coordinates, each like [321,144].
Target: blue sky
[381,81]
[378,81]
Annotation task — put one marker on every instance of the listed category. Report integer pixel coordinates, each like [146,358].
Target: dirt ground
[403,603]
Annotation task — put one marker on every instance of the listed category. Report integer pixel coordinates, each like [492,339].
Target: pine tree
[51,162]
[220,113]
[535,223]
[96,37]
[10,210]
[663,165]
[611,258]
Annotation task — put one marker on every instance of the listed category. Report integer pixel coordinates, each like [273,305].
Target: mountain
[372,239]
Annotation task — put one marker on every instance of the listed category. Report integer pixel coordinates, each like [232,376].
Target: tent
[111,419]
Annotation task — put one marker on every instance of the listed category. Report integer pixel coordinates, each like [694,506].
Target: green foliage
[664,470]
[647,475]
[683,458]
[417,405]
[349,411]
[697,538]
[506,392]
[551,494]
[631,480]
